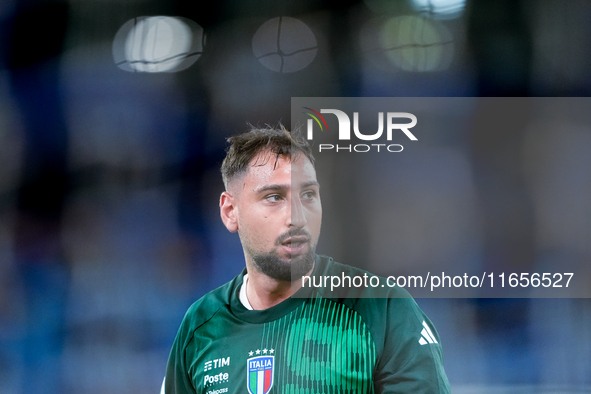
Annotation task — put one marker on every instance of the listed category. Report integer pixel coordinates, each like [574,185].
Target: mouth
[295,245]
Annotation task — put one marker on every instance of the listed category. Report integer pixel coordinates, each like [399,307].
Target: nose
[297,216]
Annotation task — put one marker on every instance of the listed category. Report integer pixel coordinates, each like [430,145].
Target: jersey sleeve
[411,360]
[177,379]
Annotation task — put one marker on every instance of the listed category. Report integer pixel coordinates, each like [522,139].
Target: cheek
[315,216]
[257,226]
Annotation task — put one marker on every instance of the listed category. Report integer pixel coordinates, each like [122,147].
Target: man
[269,331]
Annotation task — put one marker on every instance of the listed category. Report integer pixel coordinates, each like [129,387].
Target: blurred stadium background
[113,118]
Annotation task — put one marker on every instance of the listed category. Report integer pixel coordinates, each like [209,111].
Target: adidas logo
[426,335]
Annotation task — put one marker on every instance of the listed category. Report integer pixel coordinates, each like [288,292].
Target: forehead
[268,167]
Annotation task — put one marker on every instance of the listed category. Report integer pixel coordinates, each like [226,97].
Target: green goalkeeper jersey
[315,344]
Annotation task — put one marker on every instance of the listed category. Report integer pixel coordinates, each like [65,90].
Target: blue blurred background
[113,119]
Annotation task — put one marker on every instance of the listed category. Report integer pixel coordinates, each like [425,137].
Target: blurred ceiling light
[417,44]
[284,45]
[158,44]
[440,9]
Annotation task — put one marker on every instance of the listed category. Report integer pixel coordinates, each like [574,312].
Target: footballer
[264,332]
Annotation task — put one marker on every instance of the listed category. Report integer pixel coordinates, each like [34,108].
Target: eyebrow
[271,187]
[310,183]
[277,187]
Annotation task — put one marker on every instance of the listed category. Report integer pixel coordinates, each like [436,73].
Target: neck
[263,292]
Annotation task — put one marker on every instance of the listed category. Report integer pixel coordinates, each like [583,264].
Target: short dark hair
[246,146]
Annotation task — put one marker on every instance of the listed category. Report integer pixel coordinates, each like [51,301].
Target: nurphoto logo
[392,120]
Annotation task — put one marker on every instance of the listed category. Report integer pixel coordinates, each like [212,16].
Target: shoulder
[208,306]
[385,308]
[408,347]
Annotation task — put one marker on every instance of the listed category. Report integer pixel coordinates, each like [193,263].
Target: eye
[309,195]
[273,198]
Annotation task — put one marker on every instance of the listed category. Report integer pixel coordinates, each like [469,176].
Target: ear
[228,212]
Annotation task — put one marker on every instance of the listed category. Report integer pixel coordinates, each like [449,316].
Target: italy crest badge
[260,374]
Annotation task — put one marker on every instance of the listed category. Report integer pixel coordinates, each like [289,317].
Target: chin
[284,269]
